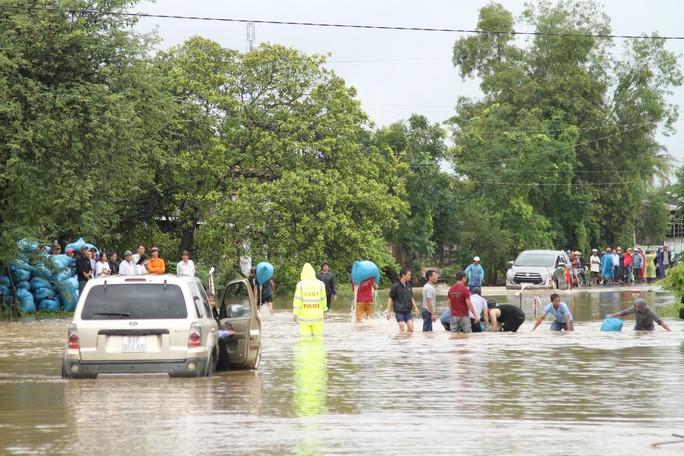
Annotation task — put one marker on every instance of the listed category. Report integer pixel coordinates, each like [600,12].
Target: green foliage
[419,147]
[652,218]
[449,273]
[561,150]
[79,118]
[284,176]
[263,154]
[674,280]
[268,154]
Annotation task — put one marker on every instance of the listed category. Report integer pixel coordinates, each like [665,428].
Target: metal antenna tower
[251,33]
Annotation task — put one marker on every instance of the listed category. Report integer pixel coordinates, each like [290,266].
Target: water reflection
[311,386]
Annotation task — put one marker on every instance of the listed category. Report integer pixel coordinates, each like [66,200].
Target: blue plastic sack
[64,275]
[611,324]
[364,270]
[26,246]
[20,270]
[38,282]
[91,246]
[20,264]
[68,291]
[42,271]
[26,302]
[264,272]
[49,305]
[44,293]
[24,284]
[61,262]
[4,281]
[76,246]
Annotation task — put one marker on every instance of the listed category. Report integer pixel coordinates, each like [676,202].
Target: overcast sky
[396,73]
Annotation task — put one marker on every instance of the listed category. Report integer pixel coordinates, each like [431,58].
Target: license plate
[133,344]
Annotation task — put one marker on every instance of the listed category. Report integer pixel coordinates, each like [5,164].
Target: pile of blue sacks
[42,281]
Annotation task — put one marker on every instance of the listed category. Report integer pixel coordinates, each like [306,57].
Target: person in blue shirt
[562,318]
[607,267]
[475,273]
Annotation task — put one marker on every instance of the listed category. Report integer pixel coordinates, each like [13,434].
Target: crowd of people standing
[615,267]
[89,263]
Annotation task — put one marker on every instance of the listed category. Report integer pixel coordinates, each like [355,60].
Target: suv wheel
[65,374]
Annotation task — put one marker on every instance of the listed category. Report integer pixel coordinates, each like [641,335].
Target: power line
[568,147]
[385,60]
[553,184]
[556,130]
[345,26]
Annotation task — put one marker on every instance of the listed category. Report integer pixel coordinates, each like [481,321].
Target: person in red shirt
[460,305]
[363,299]
[627,258]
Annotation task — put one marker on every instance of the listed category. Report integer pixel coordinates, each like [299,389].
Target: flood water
[366,390]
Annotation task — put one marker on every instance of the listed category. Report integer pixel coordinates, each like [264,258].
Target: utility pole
[251,33]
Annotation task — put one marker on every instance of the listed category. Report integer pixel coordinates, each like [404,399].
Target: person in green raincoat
[650,268]
[310,303]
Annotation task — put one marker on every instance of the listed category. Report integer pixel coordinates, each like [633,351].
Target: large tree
[562,146]
[80,117]
[269,157]
[420,147]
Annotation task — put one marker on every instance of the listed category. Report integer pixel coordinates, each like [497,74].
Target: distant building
[675,238]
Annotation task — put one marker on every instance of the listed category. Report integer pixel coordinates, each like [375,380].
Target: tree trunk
[188,237]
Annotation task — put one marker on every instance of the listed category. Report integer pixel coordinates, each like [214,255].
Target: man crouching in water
[643,315]
[562,318]
[504,317]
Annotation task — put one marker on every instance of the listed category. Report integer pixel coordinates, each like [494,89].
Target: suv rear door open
[238,307]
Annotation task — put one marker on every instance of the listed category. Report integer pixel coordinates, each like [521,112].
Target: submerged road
[364,390]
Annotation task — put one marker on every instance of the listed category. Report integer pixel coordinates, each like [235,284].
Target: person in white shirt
[141,265]
[429,300]
[479,308]
[141,252]
[185,266]
[102,267]
[594,266]
[127,266]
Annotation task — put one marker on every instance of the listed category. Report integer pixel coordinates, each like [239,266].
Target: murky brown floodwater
[365,390]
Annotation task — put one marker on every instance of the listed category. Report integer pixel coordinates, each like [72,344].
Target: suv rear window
[134,302]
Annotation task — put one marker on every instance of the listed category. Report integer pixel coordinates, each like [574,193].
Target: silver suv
[158,324]
[538,268]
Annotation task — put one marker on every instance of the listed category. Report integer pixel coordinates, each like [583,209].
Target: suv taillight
[195,336]
[74,343]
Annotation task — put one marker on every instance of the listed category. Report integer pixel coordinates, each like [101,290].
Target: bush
[448,274]
[674,282]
